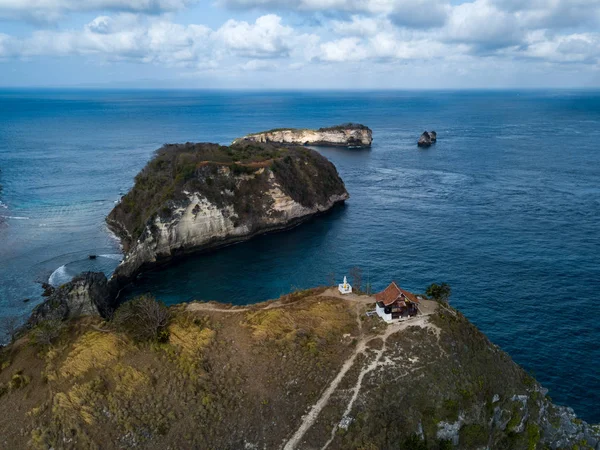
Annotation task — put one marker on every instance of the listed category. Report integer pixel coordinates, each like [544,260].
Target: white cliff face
[345,137]
[199,224]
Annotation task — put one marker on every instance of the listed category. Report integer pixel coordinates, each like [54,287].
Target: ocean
[505,207]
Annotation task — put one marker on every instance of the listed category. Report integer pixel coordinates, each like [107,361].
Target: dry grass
[91,350]
[319,318]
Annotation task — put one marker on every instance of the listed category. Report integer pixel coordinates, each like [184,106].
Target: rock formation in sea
[345,135]
[194,197]
[427,138]
[308,371]
[88,294]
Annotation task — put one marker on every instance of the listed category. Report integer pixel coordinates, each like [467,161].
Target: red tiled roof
[389,295]
[410,296]
[393,293]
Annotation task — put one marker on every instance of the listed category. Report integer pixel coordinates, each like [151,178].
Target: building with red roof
[396,303]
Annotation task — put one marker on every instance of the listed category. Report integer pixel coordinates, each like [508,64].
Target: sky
[300,44]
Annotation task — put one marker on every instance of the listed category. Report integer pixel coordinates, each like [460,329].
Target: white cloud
[382,47]
[52,10]
[267,37]
[445,37]
[412,13]
[574,48]
[360,26]
[158,40]
[557,14]
[483,25]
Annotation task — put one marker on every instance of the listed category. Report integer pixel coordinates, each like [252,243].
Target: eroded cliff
[194,197]
[346,135]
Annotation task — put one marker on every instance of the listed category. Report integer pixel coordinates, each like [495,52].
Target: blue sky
[300,44]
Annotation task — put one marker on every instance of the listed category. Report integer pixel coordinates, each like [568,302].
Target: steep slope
[193,197]
[346,135]
[309,371]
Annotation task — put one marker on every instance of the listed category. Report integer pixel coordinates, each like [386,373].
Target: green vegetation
[439,292]
[345,126]
[236,176]
[143,319]
[210,376]
[473,436]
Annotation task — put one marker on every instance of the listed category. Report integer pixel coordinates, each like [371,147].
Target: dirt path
[309,419]
[235,309]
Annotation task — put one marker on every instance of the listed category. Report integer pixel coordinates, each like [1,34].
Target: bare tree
[356,277]
[331,281]
[10,326]
[143,318]
[47,332]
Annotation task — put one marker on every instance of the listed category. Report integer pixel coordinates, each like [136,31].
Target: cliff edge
[345,135]
[194,197]
[308,371]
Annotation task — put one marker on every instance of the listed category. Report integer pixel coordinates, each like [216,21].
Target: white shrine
[345,288]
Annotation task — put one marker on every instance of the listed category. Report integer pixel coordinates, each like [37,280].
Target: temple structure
[345,288]
[396,303]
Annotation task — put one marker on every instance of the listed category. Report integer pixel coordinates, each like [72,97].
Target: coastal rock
[195,197]
[427,139]
[87,294]
[346,135]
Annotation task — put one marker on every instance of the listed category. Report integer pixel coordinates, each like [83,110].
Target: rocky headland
[345,135]
[195,197]
[308,371]
[88,294]
[427,139]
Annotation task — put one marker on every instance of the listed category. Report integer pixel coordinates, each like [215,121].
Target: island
[345,135]
[195,197]
[312,369]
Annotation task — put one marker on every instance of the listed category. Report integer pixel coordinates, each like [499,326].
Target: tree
[439,292]
[10,325]
[143,319]
[356,277]
[47,332]
[331,281]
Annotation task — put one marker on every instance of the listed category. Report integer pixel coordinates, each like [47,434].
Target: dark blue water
[505,207]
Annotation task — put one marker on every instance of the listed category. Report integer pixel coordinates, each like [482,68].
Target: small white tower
[345,288]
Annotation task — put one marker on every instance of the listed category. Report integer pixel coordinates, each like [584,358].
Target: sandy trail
[309,419]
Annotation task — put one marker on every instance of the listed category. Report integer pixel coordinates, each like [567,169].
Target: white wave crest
[15,217]
[59,276]
[115,256]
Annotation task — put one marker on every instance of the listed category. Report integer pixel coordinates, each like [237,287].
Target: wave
[3,205]
[15,217]
[59,276]
[115,256]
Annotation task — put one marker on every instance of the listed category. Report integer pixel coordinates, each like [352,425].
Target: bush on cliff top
[303,174]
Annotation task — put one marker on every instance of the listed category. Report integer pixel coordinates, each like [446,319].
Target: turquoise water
[505,207]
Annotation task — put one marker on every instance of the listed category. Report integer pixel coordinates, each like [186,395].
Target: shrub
[439,292]
[143,319]
[473,436]
[47,332]
[18,381]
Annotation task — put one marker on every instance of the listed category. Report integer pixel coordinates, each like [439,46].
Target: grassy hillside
[236,175]
[218,377]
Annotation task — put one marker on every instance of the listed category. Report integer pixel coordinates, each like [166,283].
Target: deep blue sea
[505,207]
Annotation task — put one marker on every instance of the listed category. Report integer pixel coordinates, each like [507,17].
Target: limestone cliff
[87,294]
[346,135]
[194,197]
